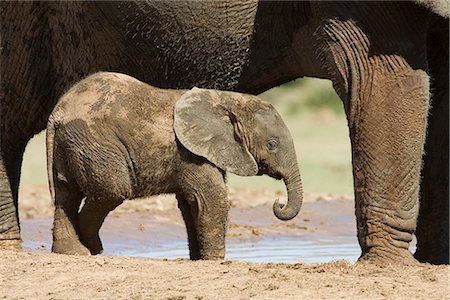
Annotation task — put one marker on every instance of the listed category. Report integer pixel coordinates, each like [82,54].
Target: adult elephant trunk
[293,183]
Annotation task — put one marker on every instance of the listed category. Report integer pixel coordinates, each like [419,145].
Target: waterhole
[323,232]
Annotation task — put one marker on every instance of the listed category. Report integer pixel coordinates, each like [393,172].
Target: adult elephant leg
[10,164]
[9,225]
[385,91]
[387,135]
[433,223]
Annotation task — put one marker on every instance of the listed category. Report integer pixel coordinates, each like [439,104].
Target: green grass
[313,113]
[304,95]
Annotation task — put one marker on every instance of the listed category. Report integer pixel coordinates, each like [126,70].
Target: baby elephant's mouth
[263,169]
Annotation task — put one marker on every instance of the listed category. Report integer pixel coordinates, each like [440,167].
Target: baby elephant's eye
[272,145]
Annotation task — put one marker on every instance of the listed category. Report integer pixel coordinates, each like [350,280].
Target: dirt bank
[25,275]
[51,276]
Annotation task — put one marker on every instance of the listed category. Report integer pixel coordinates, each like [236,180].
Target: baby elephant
[112,137]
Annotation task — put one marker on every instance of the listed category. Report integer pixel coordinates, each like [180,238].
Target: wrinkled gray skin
[112,137]
[382,57]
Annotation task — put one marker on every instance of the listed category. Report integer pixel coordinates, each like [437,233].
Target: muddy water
[325,231]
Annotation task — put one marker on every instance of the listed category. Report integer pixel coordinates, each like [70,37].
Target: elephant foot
[195,256]
[12,244]
[94,244]
[382,257]
[212,258]
[433,257]
[70,248]
[212,255]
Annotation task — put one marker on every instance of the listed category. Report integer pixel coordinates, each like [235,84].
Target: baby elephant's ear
[204,124]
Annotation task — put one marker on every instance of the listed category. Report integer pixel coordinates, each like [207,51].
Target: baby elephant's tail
[50,143]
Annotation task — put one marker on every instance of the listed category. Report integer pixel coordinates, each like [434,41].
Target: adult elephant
[381,56]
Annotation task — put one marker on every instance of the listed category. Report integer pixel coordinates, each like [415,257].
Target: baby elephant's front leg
[212,216]
[205,206]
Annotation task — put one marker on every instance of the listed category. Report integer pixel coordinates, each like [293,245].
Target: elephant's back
[114,96]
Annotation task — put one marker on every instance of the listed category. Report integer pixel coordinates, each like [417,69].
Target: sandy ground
[25,275]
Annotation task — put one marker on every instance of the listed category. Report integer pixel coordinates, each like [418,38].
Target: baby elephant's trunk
[294,187]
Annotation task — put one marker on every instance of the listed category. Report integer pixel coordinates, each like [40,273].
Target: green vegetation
[304,95]
[34,166]
[315,116]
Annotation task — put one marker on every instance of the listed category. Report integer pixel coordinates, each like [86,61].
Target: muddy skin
[112,137]
[376,54]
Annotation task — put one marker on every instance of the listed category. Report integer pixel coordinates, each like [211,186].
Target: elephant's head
[241,134]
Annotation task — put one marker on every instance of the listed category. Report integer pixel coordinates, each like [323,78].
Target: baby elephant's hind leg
[65,224]
[91,219]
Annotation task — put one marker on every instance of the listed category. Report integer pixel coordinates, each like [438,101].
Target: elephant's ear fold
[205,124]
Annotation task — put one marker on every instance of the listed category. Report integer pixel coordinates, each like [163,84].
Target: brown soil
[26,275]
